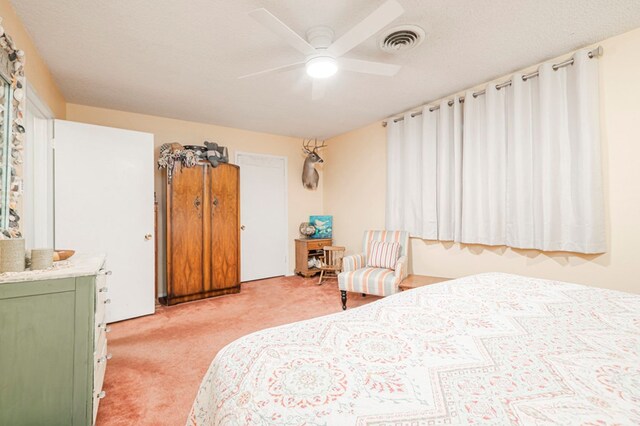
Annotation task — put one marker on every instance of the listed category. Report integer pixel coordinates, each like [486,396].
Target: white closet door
[263,213]
[104,204]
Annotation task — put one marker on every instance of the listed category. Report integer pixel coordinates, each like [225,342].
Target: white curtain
[429,175]
[405,184]
[484,167]
[425,160]
[554,185]
[449,163]
[395,201]
[517,166]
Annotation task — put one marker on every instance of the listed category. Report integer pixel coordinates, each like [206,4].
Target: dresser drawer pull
[103,290]
[105,272]
[107,357]
[101,395]
[107,301]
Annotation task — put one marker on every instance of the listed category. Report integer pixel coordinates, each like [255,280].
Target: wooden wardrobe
[203,232]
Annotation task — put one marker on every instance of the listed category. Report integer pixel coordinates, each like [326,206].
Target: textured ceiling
[181,59]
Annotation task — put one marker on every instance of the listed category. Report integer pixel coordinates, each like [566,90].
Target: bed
[485,349]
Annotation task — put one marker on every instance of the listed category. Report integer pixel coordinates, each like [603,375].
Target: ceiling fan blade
[318,89]
[283,68]
[282,30]
[369,26]
[368,67]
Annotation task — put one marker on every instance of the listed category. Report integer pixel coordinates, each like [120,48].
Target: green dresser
[53,346]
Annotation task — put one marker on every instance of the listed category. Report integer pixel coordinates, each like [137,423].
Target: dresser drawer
[101,283]
[317,245]
[102,294]
[99,365]
[100,310]
[99,368]
[99,338]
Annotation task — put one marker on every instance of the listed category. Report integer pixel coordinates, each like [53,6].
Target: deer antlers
[306,144]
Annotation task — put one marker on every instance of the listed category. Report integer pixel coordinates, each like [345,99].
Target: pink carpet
[158,361]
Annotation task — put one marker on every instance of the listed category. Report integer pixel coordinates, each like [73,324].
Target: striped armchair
[358,278]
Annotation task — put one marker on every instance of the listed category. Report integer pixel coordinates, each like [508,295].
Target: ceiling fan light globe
[321,67]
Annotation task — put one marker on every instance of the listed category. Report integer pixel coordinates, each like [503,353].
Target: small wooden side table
[415,281]
[307,248]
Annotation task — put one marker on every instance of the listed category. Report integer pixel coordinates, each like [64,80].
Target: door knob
[242,227]
[147,237]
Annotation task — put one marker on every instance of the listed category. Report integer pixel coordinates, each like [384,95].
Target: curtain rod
[598,51]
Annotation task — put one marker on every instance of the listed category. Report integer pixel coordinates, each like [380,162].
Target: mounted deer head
[310,175]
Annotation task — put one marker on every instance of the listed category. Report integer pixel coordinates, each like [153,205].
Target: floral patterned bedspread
[486,349]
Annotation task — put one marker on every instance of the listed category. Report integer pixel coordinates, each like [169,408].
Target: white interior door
[104,204]
[37,170]
[263,215]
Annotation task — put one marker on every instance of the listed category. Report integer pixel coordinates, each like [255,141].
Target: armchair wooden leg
[321,275]
[343,295]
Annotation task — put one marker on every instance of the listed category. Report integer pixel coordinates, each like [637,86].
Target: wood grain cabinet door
[224,187]
[186,210]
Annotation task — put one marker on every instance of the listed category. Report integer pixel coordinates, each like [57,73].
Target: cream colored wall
[355,182]
[36,70]
[302,202]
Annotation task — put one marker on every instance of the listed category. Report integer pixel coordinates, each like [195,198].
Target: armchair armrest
[351,263]
[402,268]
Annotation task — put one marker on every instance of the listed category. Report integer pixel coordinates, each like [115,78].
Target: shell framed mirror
[12,98]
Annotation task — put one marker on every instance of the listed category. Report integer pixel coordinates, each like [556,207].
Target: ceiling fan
[323,56]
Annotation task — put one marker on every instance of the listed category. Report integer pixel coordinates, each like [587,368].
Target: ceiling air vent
[401,38]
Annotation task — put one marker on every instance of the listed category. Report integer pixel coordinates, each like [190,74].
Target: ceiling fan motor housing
[320,37]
